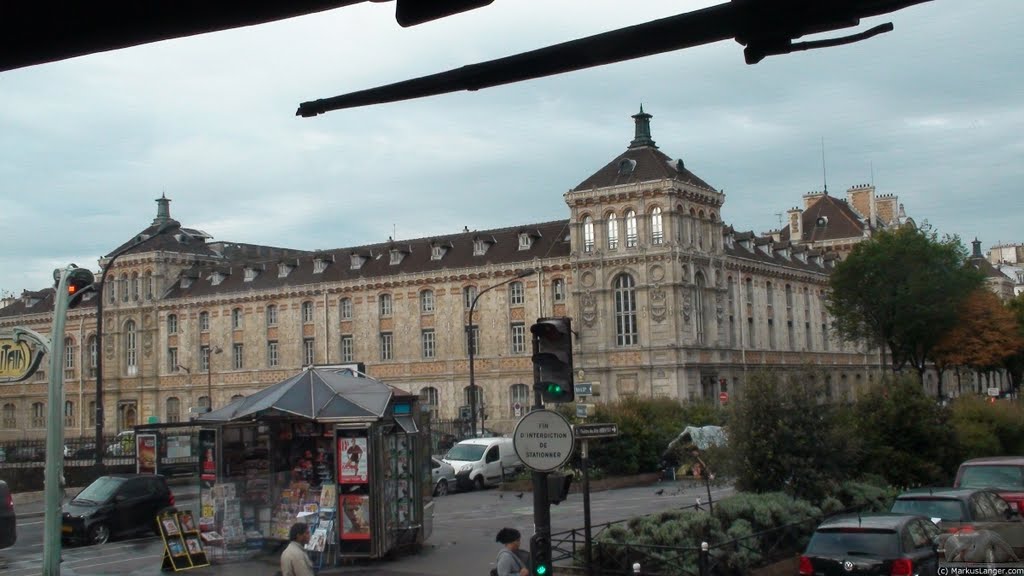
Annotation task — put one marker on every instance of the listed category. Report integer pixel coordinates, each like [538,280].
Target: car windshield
[466,452]
[854,541]
[101,490]
[943,508]
[1002,477]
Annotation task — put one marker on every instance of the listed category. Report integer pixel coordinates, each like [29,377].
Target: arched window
[345,308]
[516,294]
[518,394]
[558,290]
[467,394]
[625,310]
[700,229]
[204,321]
[272,315]
[93,352]
[38,415]
[384,304]
[69,354]
[698,306]
[750,290]
[307,312]
[131,352]
[173,413]
[428,397]
[468,296]
[427,302]
[789,297]
[613,231]
[110,285]
[135,286]
[125,290]
[236,397]
[631,229]
[69,413]
[172,323]
[657,232]
[236,319]
[693,227]
[588,234]
[203,402]
[148,287]
[10,416]
[769,294]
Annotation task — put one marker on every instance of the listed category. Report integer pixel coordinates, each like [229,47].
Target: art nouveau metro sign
[21,352]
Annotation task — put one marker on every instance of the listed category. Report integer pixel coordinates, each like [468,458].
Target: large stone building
[667,300]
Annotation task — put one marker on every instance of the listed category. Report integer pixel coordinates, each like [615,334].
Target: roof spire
[163,210]
[642,136]
[977,248]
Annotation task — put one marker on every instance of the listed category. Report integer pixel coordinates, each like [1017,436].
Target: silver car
[443,475]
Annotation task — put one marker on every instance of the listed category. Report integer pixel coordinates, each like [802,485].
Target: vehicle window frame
[138,484]
[981,508]
[492,455]
[918,535]
[906,539]
[1000,506]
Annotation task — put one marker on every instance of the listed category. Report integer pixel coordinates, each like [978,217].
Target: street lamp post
[471,341]
[209,377]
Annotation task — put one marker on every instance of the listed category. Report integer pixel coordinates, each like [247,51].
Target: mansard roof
[40,302]
[552,243]
[772,254]
[838,221]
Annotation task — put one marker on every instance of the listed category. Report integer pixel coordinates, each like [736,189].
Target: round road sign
[543,440]
[723,397]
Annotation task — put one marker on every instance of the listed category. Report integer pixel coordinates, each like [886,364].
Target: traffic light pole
[53,484]
[585,462]
[541,502]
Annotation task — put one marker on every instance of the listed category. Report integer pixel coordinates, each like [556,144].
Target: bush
[985,429]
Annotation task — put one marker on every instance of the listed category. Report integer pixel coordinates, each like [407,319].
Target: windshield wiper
[83,501]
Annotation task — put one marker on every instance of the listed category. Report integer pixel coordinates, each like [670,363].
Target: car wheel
[442,488]
[480,482]
[99,533]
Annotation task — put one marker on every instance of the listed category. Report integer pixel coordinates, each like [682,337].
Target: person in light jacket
[294,560]
[509,561]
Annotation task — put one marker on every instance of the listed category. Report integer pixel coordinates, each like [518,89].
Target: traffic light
[558,487]
[80,282]
[540,555]
[552,360]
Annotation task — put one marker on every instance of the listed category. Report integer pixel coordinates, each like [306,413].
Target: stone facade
[666,299]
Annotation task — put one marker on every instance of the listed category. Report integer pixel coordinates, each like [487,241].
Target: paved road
[462,542]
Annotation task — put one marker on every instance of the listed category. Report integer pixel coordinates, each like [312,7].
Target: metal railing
[31,453]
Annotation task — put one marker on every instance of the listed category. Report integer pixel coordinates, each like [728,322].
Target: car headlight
[466,468]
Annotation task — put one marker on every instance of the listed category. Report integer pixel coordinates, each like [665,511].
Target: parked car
[123,444]
[26,454]
[443,475]
[8,519]
[114,506]
[880,543]
[1005,474]
[965,509]
[480,462]
[83,452]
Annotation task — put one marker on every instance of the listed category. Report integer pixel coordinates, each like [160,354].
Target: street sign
[584,389]
[723,397]
[993,391]
[21,353]
[543,440]
[517,408]
[584,410]
[465,412]
[587,431]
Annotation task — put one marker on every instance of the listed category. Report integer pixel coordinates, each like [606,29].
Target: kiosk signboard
[352,461]
[145,454]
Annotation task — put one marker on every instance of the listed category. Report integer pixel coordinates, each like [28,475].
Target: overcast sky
[932,112]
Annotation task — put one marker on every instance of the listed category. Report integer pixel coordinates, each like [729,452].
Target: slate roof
[168,237]
[841,221]
[776,257]
[550,240]
[651,164]
[986,268]
[41,303]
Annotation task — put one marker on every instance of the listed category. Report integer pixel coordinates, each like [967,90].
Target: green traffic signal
[541,570]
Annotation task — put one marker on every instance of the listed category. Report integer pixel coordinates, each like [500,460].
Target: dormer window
[626,166]
[357,261]
[437,252]
[802,256]
[217,278]
[319,265]
[283,270]
[479,247]
[250,274]
[396,256]
[186,283]
[525,241]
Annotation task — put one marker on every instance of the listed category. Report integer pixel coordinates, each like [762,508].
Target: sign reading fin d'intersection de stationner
[543,440]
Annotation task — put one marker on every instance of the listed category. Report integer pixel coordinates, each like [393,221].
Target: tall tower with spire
[642,135]
[163,210]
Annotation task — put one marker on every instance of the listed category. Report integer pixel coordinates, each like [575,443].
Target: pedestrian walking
[294,560]
[509,561]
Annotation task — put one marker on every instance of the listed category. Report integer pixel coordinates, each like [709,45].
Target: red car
[1005,474]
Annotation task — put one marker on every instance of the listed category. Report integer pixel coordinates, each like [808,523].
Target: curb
[40,514]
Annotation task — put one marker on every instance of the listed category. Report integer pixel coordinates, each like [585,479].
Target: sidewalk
[30,504]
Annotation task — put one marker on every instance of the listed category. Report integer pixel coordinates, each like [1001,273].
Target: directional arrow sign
[585,389]
[585,431]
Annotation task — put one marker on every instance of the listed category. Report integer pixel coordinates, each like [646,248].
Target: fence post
[702,560]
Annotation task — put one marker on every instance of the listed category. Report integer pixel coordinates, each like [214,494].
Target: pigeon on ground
[520,495]
[660,492]
[500,495]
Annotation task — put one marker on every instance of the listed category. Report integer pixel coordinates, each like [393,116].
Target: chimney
[862,199]
[795,224]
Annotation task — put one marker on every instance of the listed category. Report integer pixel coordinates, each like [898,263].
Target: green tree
[985,338]
[907,438]
[782,436]
[1014,363]
[902,289]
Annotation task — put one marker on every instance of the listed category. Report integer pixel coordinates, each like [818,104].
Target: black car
[883,543]
[8,520]
[115,506]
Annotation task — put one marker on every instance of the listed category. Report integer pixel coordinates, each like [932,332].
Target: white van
[481,462]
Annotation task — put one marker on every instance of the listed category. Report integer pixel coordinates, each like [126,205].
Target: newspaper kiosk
[346,453]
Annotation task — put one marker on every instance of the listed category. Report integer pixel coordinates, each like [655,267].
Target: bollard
[636,568]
